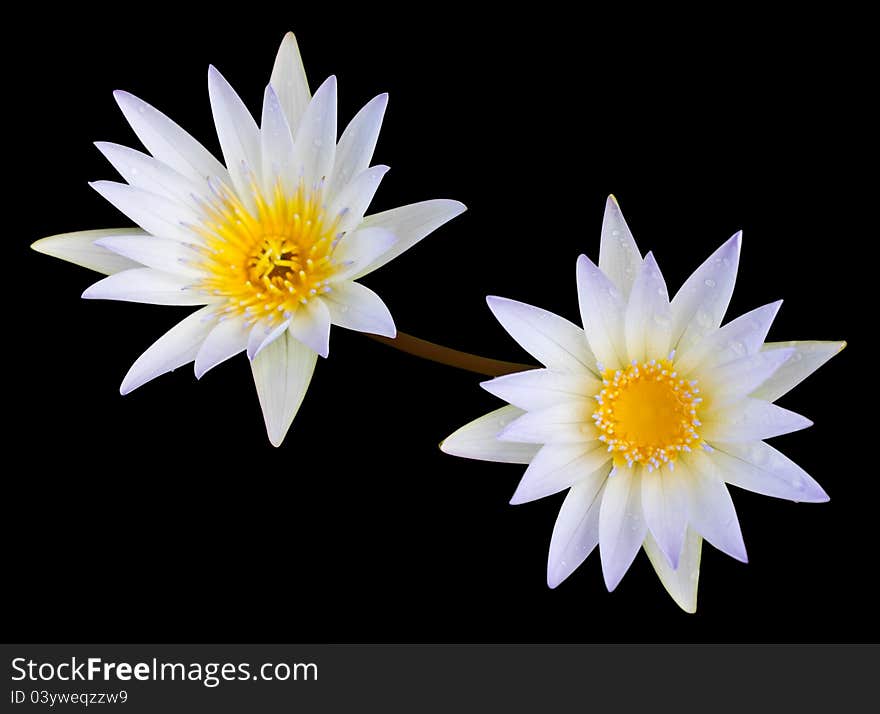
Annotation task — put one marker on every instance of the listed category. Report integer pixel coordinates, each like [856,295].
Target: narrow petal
[648,314]
[664,503]
[540,388]
[576,532]
[263,335]
[710,509]
[479,439]
[602,313]
[622,528]
[315,143]
[169,256]
[238,134]
[228,338]
[356,307]
[148,286]
[358,249]
[177,347]
[738,338]
[681,584]
[150,174]
[357,143]
[734,380]
[282,373]
[806,358]
[157,215]
[552,340]
[289,80]
[558,466]
[353,200]
[750,420]
[79,248]
[167,142]
[410,224]
[700,304]
[568,422]
[619,256]
[311,326]
[276,141]
[760,468]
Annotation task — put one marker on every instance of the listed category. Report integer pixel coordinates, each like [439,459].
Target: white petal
[558,466]
[79,248]
[760,468]
[619,256]
[358,249]
[356,307]
[738,338]
[177,347]
[357,143]
[156,214]
[576,532]
[315,143]
[734,380]
[228,338]
[311,326]
[282,373]
[410,224]
[148,286]
[700,304]
[479,440]
[169,256]
[354,199]
[648,314]
[289,80]
[167,142]
[807,358]
[145,172]
[552,340]
[602,313]
[560,424]
[238,134]
[539,388]
[750,420]
[664,503]
[681,584]
[262,335]
[622,528]
[710,508]
[276,141]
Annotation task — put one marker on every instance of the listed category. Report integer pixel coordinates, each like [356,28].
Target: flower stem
[448,356]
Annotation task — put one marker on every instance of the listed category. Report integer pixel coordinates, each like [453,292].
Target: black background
[167,516]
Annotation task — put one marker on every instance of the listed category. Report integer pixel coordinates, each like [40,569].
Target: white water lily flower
[271,244]
[646,413]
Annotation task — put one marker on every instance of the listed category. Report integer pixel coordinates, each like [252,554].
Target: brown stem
[453,358]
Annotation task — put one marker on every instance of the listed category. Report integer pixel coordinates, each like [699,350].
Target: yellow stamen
[647,414]
[269,262]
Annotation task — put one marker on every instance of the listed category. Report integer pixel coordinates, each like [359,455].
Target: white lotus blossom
[272,244]
[646,413]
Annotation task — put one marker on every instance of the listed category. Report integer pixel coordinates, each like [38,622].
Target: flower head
[646,413]
[271,244]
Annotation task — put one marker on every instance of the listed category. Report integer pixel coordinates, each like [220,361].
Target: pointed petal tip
[839,349]
[612,201]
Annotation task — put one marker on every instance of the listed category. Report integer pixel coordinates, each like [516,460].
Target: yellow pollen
[647,414]
[268,262]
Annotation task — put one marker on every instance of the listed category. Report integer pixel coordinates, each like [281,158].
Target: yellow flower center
[269,262]
[647,415]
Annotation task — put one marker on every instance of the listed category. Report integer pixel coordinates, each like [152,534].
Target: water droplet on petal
[709,283]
